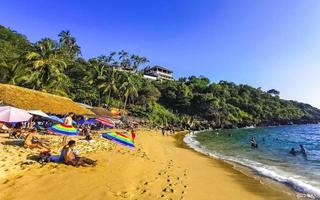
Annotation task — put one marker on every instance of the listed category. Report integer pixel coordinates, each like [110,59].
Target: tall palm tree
[110,84]
[48,66]
[129,89]
[124,59]
[137,61]
[99,69]
[69,44]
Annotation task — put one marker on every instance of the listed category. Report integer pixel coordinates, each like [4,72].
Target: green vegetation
[57,67]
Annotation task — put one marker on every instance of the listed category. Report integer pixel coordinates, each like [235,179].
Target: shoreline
[161,167]
[245,169]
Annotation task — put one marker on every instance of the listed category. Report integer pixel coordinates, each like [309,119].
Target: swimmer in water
[303,150]
[293,152]
[253,142]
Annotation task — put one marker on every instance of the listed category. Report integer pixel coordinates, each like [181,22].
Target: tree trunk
[125,102]
[99,103]
[109,97]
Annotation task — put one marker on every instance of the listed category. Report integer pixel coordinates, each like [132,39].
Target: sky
[263,43]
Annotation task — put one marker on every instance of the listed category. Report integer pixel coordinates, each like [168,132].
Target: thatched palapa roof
[31,99]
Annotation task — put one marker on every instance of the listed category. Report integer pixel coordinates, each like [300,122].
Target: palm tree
[124,59]
[48,66]
[110,84]
[99,69]
[129,90]
[69,44]
[15,74]
[137,61]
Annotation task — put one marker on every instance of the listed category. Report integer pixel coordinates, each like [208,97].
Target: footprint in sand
[6,181]
[143,191]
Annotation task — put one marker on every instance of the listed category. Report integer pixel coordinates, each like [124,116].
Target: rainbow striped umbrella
[106,121]
[119,138]
[63,129]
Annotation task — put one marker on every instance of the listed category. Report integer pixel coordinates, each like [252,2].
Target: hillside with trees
[58,67]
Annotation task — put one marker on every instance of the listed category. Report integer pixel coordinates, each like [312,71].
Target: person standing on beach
[133,135]
[68,120]
[163,131]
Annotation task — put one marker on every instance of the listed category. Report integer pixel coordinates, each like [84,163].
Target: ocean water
[271,158]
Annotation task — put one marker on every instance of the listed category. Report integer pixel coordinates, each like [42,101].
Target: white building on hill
[158,73]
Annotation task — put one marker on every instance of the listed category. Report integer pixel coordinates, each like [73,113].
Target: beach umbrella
[11,114]
[55,118]
[88,121]
[115,113]
[38,113]
[106,121]
[119,138]
[63,129]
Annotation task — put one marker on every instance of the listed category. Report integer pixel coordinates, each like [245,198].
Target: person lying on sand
[33,142]
[69,157]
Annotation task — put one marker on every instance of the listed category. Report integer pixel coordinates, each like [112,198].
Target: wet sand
[161,167]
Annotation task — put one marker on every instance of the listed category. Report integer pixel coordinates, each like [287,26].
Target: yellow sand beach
[159,168]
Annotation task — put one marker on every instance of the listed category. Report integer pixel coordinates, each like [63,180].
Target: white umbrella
[39,113]
[12,114]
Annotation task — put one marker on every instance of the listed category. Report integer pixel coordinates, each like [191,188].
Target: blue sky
[263,43]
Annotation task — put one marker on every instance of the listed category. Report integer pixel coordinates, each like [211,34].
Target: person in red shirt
[133,134]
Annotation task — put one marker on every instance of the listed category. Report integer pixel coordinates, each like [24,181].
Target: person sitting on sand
[85,132]
[33,142]
[293,152]
[69,157]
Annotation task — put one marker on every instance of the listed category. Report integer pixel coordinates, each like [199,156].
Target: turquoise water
[271,158]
